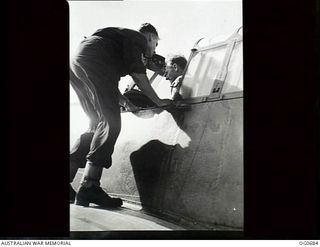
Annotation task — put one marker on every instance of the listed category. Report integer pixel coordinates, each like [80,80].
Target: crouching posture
[95,71]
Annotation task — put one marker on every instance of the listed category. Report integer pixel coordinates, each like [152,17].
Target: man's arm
[143,83]
[126,103]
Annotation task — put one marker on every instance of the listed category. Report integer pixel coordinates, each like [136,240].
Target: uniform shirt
[125,48]
[176,84]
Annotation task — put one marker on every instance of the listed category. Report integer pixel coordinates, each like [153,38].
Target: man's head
[175,66]
[152,37]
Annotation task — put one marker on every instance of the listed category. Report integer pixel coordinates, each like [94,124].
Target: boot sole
[85,203]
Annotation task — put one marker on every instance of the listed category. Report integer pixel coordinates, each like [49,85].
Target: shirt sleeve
[132,55]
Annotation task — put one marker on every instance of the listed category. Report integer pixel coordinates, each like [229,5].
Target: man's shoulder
[113,32]
[130,33]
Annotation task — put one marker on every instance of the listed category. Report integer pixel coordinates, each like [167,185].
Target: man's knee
[112,122]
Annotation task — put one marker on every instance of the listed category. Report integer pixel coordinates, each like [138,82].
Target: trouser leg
[101,99]
[79,152]
[85,99]
[103,96]
[101,149]
[104,139]
[99,156]
[82,146]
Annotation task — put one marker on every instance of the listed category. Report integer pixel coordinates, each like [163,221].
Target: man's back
[124,47]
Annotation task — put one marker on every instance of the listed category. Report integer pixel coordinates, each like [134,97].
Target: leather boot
[95,194]
[91,192]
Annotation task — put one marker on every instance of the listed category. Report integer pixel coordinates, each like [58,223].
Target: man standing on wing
[100,61]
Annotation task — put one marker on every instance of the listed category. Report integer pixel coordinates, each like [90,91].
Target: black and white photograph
[156,116]
[161,120]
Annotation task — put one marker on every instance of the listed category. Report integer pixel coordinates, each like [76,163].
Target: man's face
[151,45]
[171,72]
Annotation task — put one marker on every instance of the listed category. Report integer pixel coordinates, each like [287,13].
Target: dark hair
[181,61]
[148,28]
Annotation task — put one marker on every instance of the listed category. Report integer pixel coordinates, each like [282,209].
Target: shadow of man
[148,164]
